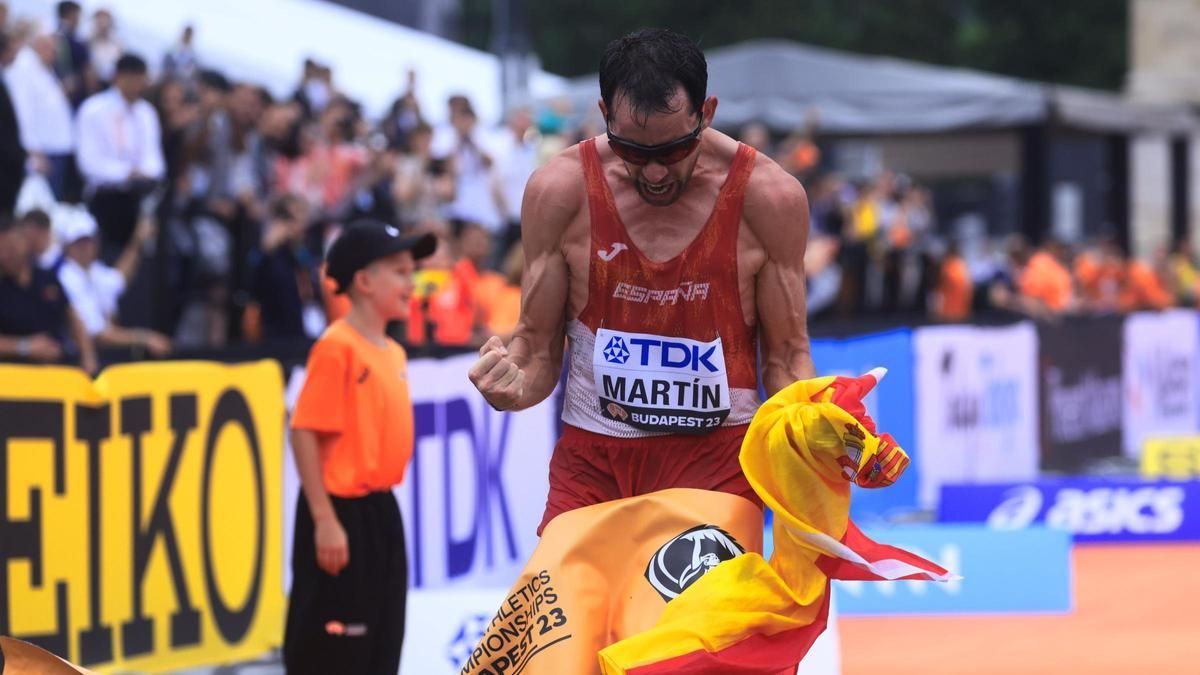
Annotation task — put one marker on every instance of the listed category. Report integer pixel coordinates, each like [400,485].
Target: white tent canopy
[266,41]
[781,83]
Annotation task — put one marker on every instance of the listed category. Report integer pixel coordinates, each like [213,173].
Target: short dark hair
[131,64]
[67,7]
[36,217]
[646,66]
[214,79]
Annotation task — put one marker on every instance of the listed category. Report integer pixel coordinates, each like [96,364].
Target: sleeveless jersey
[662,347]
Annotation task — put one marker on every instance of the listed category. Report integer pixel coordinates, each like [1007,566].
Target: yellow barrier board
[1177,458]
[140,513]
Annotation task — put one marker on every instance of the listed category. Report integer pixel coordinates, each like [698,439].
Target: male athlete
[669,256]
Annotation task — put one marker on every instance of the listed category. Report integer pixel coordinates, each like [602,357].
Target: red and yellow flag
[674,581]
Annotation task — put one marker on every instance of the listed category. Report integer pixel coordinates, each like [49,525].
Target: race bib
[664,384]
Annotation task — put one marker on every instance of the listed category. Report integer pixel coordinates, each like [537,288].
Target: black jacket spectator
[286,280]
[12,155]
[32,303]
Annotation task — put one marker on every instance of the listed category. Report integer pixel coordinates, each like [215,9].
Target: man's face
[246,105]
[43,46]
[475,244]
[521,121]
[659,184]
[211,98]
[70,20]
[83,251]
[463,122]
[38,238]
[389,285]
[131,85]
[14,251]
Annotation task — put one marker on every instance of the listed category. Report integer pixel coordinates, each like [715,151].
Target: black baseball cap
[366,241]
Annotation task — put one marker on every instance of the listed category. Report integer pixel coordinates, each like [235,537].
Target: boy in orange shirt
[352,435]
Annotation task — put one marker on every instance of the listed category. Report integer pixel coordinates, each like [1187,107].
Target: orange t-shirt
[1143,289]
[1047,280]
[956,289]
[356,397]
[505,310]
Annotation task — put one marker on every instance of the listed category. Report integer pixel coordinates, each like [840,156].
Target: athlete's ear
[603,110]
[708,110]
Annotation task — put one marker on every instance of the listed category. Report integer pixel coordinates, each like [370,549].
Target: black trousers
[116,212]
[351,623]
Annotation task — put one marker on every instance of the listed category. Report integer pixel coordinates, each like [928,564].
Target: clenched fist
[497,377]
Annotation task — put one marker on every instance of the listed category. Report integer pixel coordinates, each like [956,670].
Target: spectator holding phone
[94,288]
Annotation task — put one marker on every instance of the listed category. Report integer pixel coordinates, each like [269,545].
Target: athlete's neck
[368,323]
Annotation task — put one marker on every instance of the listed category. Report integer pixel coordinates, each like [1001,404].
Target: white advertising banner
[476,488]
[977,408]
[444,626]
[1159,364]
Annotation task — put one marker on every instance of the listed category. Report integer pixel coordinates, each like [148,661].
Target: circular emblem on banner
[470,632]
[678,563]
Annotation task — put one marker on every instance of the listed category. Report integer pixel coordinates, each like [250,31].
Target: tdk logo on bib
[672,354]
[659,383]
[616,351]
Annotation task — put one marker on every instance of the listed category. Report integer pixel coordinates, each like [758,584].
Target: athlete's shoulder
[774,198]
[557,190]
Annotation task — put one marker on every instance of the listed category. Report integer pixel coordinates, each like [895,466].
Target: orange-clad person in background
[1100,273]
[1046,280]
[1143,288]
[955,290]
[444,310]
[501,294]
[352,435]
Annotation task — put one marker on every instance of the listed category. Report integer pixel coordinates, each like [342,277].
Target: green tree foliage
[1080,42]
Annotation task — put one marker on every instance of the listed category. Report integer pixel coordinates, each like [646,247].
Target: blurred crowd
[157,207]
[875,249]
[163,206]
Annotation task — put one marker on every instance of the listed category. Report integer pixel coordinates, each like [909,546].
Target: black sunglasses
[663,153]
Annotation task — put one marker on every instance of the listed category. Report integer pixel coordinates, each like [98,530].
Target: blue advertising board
[1025,571]
[890,405]
[1091,509]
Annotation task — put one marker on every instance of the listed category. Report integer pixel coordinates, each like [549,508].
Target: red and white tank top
[662,347]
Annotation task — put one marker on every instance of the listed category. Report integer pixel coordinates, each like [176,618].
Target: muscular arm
[551,201]
[777,212]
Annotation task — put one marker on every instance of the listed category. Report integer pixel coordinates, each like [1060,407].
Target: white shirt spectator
[93,292]
[474,200]
[105,52]
[43,111]
[117,139]
[515,162]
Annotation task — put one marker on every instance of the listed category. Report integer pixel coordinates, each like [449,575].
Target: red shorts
[589,468]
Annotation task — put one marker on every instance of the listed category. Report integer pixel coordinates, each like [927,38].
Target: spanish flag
[748,615]
[674,581]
